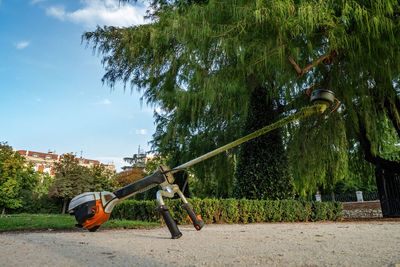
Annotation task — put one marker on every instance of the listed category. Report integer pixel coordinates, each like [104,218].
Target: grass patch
[26,221]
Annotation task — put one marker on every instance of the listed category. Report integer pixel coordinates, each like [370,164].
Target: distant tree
[136,161]
[131,161]
[43,187]
[102,179]
[129,176]
[16,176]
[71,179]
[40,189]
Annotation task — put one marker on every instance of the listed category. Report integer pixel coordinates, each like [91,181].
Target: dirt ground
[354,243]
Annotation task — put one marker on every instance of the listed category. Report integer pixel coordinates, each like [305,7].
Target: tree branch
[365,144]
[296,67]
[301,72]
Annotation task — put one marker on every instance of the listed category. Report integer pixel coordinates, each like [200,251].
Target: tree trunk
[387,175]
[333,196]
[3,211]
[365,144]
[64,205]
[388,184]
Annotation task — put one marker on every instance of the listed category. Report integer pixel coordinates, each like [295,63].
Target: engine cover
[92,209]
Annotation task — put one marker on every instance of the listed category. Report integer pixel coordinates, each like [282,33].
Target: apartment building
[44,162]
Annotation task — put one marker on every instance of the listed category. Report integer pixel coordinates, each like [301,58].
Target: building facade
[45,162]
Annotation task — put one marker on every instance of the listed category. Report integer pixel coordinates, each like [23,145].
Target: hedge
[232,210]
[39,205]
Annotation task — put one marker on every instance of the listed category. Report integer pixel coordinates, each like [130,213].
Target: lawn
[26,221]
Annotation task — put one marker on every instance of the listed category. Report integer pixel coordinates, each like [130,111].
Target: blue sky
[52,96]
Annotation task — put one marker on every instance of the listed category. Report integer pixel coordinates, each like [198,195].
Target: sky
[52,97]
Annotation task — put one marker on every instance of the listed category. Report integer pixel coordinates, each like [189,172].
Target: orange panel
[99,217]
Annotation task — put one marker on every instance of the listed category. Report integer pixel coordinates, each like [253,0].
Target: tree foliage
[16,176]
[195,61]
[72,179]
[102,178]
[127,177]
[263,169]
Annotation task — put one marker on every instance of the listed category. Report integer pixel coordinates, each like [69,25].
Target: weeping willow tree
[194,61]
[201,83]
[361,46]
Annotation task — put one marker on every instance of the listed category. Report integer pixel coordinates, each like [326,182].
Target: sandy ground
[371,243]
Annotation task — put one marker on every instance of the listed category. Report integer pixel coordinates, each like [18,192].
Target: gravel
[368,243]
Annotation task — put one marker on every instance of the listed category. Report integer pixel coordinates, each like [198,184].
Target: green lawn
[26,221]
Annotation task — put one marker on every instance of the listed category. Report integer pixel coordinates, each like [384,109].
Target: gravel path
[375,243]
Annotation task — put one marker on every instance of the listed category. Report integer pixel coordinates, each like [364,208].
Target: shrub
[232,210]
[40,205]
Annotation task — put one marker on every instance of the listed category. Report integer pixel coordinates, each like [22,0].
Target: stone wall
[362,210]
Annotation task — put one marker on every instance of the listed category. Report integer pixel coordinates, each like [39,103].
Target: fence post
[318,197]
[359,196]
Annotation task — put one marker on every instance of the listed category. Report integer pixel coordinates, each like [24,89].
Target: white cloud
[33,2]
[105,101]
[141,131]
[57,12]
[21,45]
[101,12]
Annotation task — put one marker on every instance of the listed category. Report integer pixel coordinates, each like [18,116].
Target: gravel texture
[362,213]
[366,243]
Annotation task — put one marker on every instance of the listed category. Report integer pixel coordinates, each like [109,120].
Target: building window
[48,157]
[35,155]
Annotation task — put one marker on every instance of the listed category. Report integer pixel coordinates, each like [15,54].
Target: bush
[232,210]
[42,204]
